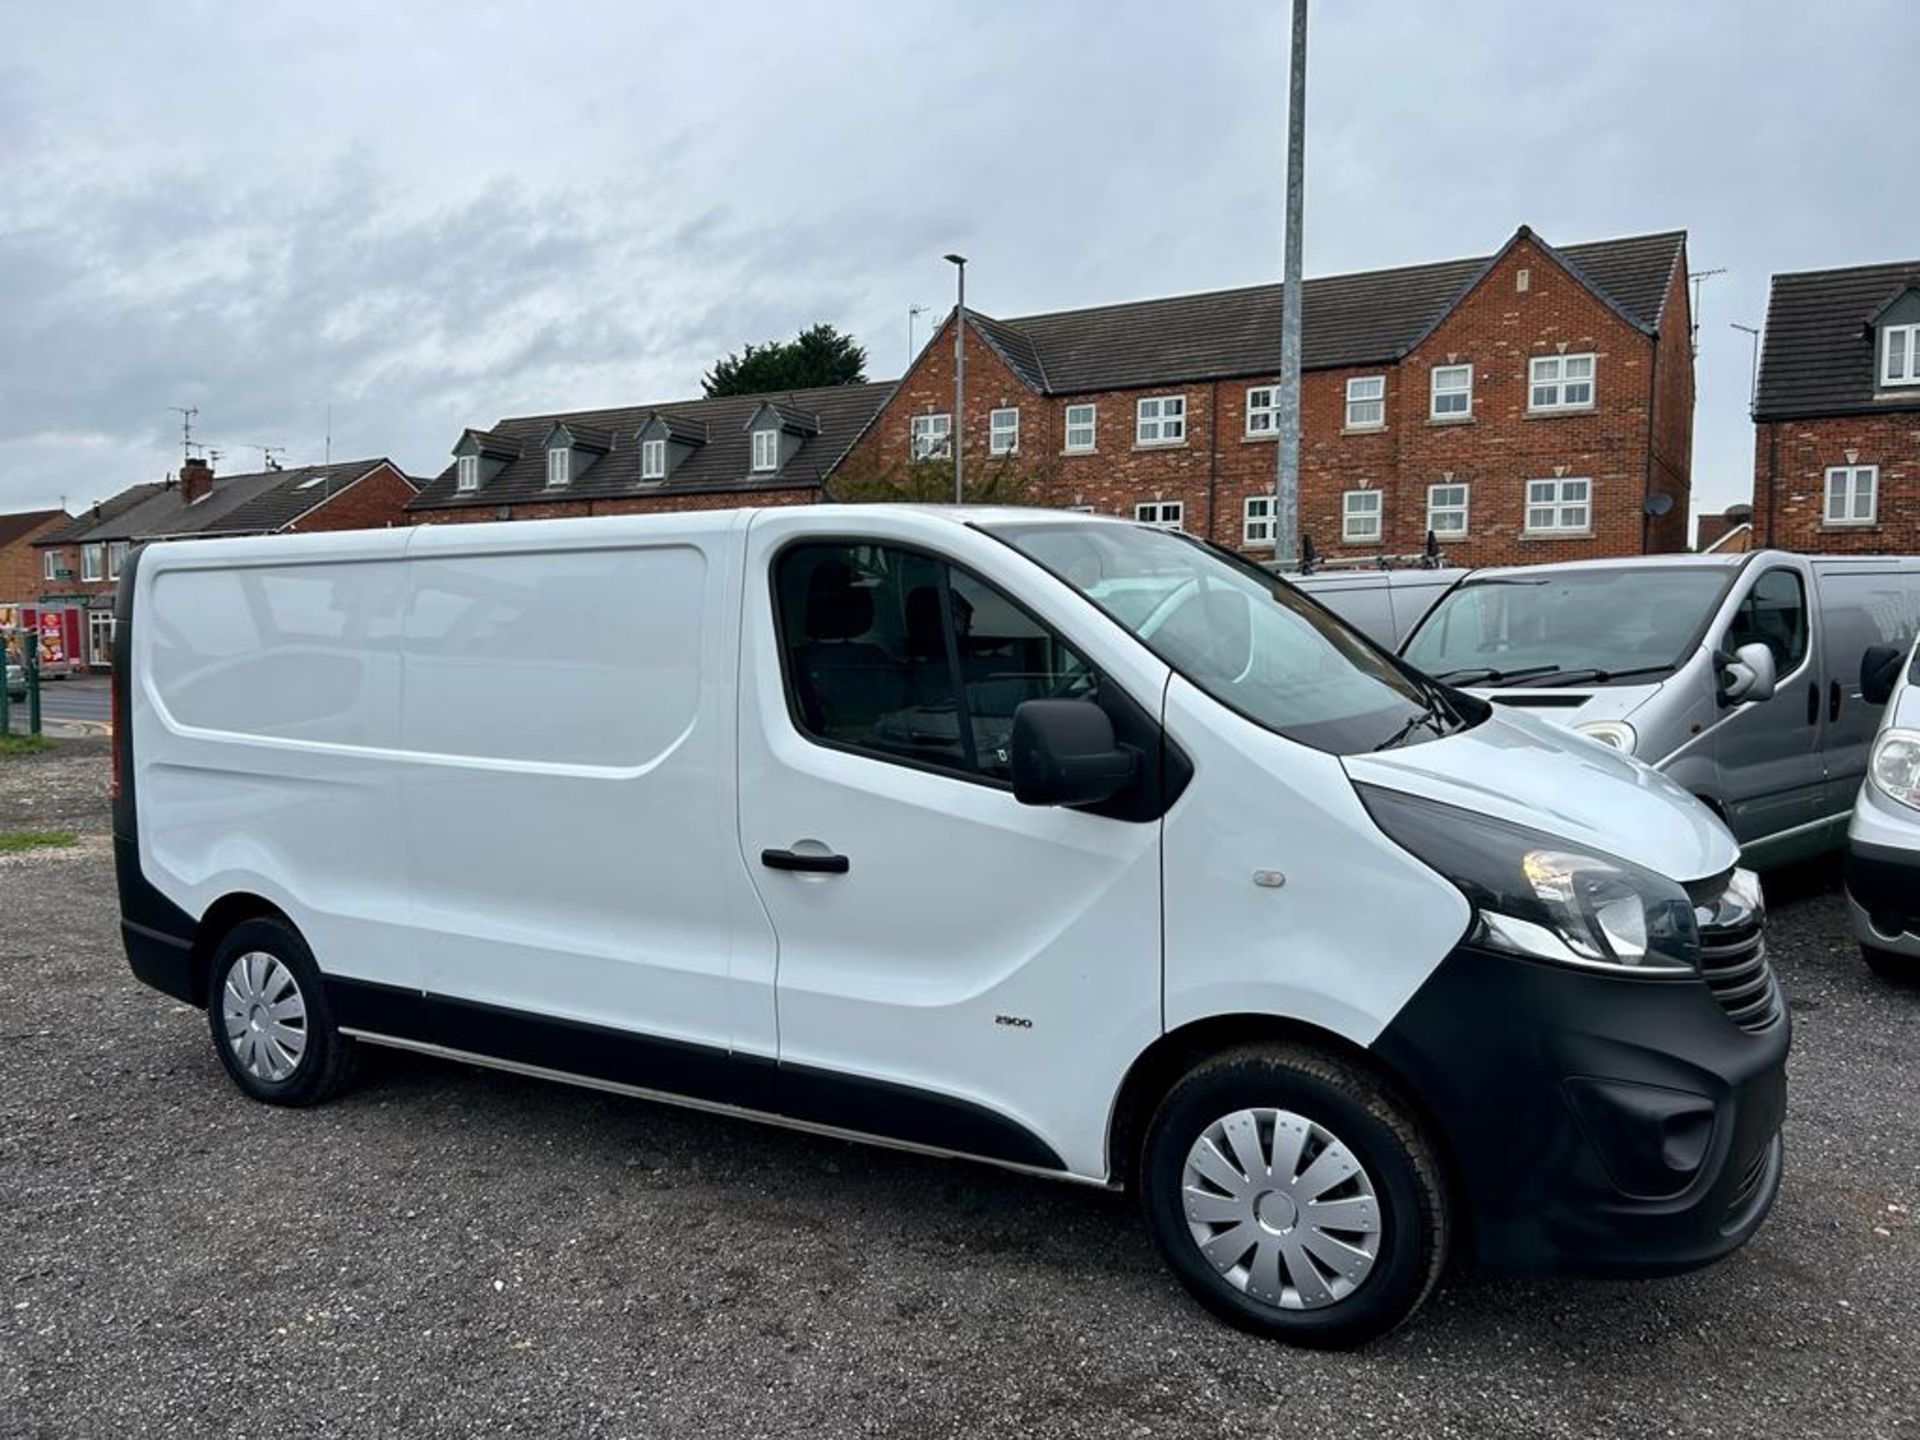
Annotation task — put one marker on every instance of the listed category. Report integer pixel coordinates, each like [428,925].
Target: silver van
[1738,676]
[1384,605]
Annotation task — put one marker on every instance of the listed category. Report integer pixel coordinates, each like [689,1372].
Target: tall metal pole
[1286,479]
[957,430]
[1753,378]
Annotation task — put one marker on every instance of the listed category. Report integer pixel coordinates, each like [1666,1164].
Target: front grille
[1733,955]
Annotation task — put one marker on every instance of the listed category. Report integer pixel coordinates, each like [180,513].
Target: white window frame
[1436,507]
[1263,405]
[1162,514]
[653,459]
[50,566]
[1003,438]
[1910,346]
[766,451]
[98,653]
[559,467]
[93,561]
[1547,374]
[1350,534]
[1856,479]
[1074,421]
[1377,399]
[1164,424]
[116,558]
[1256,520]
[1559,497]
[932,436]
[466,473]
[1435,390]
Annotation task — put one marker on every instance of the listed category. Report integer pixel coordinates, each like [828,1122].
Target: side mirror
[1879,673]
[1749,675]
[1064,753]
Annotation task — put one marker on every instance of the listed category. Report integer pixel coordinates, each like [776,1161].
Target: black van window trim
[946,563]
[1806,614]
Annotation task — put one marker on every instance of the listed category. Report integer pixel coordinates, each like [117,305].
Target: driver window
[874,638]
[1774,614]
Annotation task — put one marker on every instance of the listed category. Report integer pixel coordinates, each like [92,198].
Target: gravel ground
[449,1251]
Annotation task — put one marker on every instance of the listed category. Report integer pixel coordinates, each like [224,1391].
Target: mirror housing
[1879,673]
[1064,753]
[1748,675]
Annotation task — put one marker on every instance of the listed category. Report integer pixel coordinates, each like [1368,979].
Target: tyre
[1294,1197]
[272,1026]
[1891,965]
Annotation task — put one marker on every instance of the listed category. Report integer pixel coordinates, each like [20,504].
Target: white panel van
[1062,843]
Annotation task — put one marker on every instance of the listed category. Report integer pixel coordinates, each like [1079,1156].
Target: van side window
[876,639]
[1774,614]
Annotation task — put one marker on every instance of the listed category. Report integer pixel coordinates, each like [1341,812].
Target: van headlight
[1616,733]
[1538,896]
[1895,766]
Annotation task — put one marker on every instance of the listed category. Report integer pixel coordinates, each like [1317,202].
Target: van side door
[956,969]
[1767,751]
[1862,603]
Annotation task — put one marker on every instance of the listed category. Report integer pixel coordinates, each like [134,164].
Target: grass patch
[14,841]
[23,744]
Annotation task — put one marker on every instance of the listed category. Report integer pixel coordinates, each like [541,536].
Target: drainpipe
[1653,408]
[1213,454]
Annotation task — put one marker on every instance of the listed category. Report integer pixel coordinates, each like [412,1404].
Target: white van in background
[1062,843]
[1737,676]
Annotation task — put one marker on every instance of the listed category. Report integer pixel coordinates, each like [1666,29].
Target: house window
[766,450]
[93,562]
[466,473]
[99,638]
[932,437]
[1559,507]
[52,564]
[1452,395]
[1366,402]
[1447,511]
[1360,516]
[653,459]
[1003,432]
[1256,520]
[558,465]
[1166,514]
[1900,355]
[1079,429]
[116,557]
[1161,420]
[1853,494]
[1560,382]
[1263,409]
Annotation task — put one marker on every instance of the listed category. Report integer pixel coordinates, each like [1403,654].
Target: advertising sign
[53,639]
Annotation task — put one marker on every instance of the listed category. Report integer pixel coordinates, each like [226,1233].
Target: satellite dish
[1658,503]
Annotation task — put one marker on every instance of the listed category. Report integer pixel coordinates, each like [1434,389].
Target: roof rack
[1431,557]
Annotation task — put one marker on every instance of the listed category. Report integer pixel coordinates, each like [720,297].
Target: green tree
[930,482]
[820,356]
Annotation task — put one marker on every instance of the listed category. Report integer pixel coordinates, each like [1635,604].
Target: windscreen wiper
[1482,674]
[1593,676]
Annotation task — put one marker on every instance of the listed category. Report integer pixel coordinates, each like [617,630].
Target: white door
[955,969]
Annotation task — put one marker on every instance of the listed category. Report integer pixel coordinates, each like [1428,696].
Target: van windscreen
[1244,637]
[1599,624]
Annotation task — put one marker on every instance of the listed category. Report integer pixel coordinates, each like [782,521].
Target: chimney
[196,480]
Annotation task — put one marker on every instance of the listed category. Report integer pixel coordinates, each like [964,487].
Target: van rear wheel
[272,1026]
[1294,1197]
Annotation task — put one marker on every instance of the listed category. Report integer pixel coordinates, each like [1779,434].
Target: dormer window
[466,473]
[653,459]
[479,457]
[1900,354]
[559,463]
[766,450]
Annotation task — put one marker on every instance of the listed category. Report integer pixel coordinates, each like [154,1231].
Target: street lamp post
[1286,474]
[957,431]
[1753,380]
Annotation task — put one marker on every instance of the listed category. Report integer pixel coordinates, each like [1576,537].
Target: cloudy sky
[429,215]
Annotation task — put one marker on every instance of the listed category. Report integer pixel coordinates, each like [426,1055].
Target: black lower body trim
[1885,883]
[878,1108]
[158,934]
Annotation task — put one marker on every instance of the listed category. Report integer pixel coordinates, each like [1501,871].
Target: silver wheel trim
[1281,1208]
[264,1015]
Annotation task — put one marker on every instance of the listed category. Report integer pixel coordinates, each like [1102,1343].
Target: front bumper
[1594,1124]
[1883,896]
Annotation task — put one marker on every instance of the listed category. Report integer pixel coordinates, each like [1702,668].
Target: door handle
[1813,703]
[807,864]
[1833,700]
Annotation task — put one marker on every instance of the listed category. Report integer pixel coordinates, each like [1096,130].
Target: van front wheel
[272,1027]
[1294,1197]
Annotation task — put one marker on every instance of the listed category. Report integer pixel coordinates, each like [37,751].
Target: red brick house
[641,459]
[19,561]
[1535,404]
[1836,453]
[79,564]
